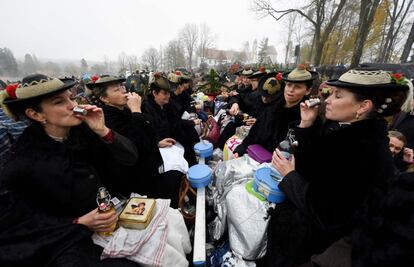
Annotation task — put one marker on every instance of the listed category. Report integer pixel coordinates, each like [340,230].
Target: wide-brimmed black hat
[36,86]
[247,72]
[300,75]
[387,91]
[105,80]
[257,75]
[229,85]
[238,72]
[269,86]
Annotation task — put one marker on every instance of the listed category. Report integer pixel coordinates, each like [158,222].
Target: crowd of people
[348,186]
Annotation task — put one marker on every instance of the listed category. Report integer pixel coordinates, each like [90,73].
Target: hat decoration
[398,78]
[8,92]
[94,78]
[86,78]
[11,90]
[279,76]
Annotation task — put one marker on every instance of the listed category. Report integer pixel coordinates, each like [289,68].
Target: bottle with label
[105,205]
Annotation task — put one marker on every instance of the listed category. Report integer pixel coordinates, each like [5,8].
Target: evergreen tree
[29,66]
[8,64]
[263,49]
[84,66]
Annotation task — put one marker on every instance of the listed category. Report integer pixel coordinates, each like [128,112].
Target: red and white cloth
[154,245]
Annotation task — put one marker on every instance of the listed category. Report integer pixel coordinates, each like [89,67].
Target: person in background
[247,101]
[337,167]
[168,131]
[404,120]
[403,156]
[278,115]
[123,114]
[54,172]
[10,130]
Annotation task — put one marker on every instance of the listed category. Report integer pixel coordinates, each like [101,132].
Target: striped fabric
[9,132]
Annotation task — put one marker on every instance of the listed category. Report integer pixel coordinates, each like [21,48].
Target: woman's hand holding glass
[308,115]
[95,119]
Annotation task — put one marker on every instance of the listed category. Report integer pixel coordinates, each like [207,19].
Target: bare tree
[205,42]
[98,69]
[84,66]
[322,19]
[408,45]
[366,16]
[108,65]
[253,55]
[291,23]
[122,62]
[174,55]
[151,58]
[245,55]
[397,14]
[51,68]
[263,53]
[132,62]
[189,36]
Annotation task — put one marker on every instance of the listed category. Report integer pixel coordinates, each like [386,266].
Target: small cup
[313,102]
[80,111]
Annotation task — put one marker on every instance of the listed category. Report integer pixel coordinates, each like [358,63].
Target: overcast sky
[92,29]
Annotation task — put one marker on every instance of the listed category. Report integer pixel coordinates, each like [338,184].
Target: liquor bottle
[105,205]
[287,146]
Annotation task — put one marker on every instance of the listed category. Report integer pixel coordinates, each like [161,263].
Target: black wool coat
[249,101]
[167,123]
[46,184]
[143,176]
[271,126]
[63,178]
[182,102]
[384,235]
[337,168]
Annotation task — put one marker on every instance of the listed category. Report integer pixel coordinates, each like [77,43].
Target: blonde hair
[407,105]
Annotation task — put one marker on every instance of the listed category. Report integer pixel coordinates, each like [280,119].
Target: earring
[357,116]
[44,122]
